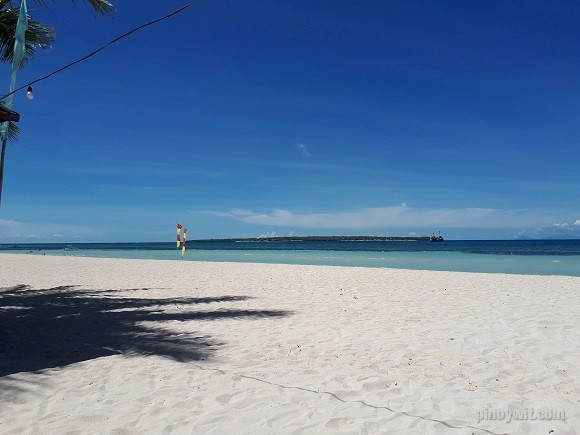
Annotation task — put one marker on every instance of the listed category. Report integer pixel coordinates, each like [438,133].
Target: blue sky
[300,117]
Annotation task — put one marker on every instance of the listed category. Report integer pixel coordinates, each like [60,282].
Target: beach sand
[130,346]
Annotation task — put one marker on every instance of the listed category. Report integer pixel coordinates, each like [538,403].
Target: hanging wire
[124,35]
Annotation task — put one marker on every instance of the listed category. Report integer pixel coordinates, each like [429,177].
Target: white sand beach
[147,346]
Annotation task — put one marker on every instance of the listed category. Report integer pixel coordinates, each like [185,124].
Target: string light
[29,93]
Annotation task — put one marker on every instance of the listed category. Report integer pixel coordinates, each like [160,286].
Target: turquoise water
[520,257]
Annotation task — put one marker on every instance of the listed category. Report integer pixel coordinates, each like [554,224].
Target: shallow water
[537,257]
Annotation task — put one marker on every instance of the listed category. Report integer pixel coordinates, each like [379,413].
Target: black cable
[102,48]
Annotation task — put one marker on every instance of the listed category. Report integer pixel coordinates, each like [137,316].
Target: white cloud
[557,230]
[399,216]
[304,150]
[11,230]
[564,225]
[6,223]
[137,167]
[234,212]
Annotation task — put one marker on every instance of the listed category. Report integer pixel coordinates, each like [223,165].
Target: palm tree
[101,7]
[38,35]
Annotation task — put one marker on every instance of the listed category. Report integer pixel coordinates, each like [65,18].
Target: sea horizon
[534,257]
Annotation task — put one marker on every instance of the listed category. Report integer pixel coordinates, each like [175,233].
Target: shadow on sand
[54,327]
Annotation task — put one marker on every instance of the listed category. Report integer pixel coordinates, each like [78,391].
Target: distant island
[325,239]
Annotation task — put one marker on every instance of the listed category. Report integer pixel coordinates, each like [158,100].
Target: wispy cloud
[399,216]
[562,230]
[150,169]
[304,150]
[11,230]
[307,164]
[147,189]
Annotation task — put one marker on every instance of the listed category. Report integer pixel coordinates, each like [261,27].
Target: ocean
[535,257]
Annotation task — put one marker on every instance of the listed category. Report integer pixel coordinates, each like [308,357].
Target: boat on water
[438,238]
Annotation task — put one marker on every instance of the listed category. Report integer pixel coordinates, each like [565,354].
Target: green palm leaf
[38,35]
[101,7]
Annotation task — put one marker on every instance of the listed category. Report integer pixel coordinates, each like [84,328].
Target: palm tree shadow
[55,327]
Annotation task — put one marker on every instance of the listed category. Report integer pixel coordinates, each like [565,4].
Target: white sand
[311,349]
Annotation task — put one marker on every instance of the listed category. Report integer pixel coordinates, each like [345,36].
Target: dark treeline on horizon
[321,238]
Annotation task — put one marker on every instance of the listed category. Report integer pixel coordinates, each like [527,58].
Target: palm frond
[101,7]
[13,131]
[38,35]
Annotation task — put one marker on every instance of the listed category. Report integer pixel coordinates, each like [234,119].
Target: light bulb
[29,93]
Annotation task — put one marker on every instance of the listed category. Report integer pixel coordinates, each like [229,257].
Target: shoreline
[199,346]
[451,261]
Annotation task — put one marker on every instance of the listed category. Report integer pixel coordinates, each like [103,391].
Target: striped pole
[184,240]
[178,239]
